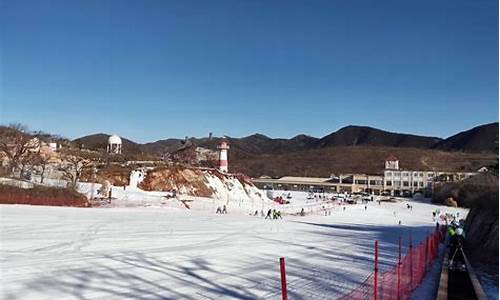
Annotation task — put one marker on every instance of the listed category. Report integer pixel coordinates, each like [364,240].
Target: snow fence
[405,276]
[399,281]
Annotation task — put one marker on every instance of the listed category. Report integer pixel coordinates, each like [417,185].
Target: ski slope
[169,253]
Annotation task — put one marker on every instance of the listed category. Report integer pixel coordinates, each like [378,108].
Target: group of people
[273,214]
[222,210]
[456,241]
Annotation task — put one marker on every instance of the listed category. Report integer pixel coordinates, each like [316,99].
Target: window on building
[388,183]
[397,183]
[421,184]
[420,174]
[430,174]
[360,181]
[389,174]
[405,174]
[406,183]
[415,184]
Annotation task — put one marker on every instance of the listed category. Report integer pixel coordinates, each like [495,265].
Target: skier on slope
[268,216]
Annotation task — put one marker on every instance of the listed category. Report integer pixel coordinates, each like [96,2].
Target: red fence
[399,281]
[409,271]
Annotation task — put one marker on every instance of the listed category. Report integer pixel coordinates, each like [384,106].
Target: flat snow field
[168,253]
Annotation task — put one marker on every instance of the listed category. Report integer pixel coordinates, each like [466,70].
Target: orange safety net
[399,281]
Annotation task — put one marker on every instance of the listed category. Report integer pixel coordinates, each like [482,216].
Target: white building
[114,144]
[398,181]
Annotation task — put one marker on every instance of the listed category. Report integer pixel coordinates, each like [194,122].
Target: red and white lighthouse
[223,147]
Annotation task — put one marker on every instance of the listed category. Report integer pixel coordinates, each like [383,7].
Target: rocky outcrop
[481,227]
[202,182]
[184,180]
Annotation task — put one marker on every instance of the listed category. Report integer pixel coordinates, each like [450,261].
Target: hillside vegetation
[480,194]
[352,149]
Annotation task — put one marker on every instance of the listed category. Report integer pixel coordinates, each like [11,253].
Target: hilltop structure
[114,144]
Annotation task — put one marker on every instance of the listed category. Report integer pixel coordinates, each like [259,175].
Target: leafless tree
[17,146]
[73,164]
[42,160]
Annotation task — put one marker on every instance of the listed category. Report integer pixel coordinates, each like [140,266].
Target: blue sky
[148,70]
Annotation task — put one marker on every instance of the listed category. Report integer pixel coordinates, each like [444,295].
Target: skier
[219,210]
[366,207]
[224,209]
[302,212]
[268,214]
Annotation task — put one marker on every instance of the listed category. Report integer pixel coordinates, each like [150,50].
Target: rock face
[208,183]
[481,227]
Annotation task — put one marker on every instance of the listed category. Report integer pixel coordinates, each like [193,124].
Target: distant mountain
[479,139]
[162,146]
[349,149]
[482,138]
[99,141]
[368,136]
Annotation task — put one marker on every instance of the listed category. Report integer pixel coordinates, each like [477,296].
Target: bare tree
[42,160]
[73,164]
[17,146]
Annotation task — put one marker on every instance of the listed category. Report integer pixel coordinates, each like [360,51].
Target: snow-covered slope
[165,253]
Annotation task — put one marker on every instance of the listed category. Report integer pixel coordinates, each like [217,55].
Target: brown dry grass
[355,159]
[40,195]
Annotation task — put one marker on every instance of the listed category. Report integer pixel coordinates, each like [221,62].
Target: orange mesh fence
[408,272]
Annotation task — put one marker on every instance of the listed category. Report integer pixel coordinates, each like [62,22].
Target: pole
[375,277]
[284,295]
[411,263]
[426,254]
[399,268]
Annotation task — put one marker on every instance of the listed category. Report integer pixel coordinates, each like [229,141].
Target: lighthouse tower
[223,147]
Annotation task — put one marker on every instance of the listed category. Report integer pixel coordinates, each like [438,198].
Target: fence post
[411,261]
[426,254]
[284,294]
[399,268]
[375,277]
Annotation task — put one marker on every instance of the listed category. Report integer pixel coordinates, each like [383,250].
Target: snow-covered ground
[164,252]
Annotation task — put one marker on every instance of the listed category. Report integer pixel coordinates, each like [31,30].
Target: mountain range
[259,155]
[482,138]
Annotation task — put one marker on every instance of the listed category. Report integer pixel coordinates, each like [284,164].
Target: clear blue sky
[148,70]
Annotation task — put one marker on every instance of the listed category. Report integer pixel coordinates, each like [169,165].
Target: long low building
[344,183]
[393,181]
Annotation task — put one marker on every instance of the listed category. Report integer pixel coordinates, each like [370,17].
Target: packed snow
[164,251]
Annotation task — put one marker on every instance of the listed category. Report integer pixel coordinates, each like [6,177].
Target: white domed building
[114,144]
